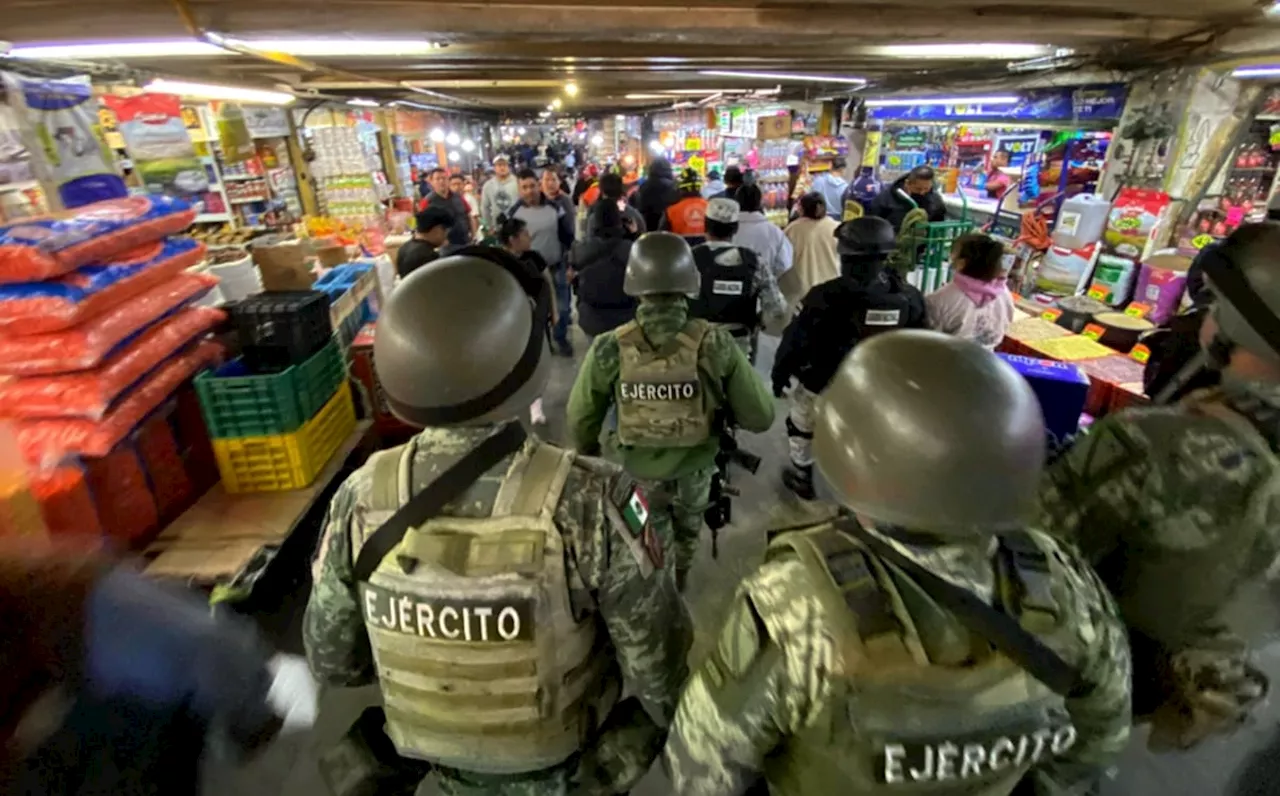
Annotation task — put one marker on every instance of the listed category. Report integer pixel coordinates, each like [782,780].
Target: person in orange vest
[688,216]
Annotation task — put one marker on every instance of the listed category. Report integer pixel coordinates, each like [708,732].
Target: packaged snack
[89,393]
[125,505]
[68,148]
[88,344]
[159,144]
[66,502]
[36,249]
[39,307]
[1135,221]
[46,443]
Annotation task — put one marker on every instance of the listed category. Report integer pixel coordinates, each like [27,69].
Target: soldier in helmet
[668,374]
[1176,505]
[867,299]
[921,638]
[500,590]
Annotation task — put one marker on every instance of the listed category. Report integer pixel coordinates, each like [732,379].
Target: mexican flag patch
[636,512]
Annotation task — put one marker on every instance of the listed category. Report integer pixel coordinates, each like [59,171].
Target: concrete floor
[289,769]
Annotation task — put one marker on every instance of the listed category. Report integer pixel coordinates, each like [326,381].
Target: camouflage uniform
[645,621]
[776,671]
[1176,507]
[678,479]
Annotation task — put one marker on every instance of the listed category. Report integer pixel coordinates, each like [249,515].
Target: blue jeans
[564,303]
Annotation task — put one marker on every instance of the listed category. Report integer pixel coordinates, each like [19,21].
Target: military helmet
[460,340]
[661,263]
[867,236]
[931,433]
[1245,279]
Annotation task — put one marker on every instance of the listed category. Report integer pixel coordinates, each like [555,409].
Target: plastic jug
[1081,221]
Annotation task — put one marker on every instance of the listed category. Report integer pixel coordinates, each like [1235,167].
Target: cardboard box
[285,266]
[773,127]
[330,256]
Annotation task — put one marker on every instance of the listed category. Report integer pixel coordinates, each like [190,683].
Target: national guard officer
[922,639]
[865,300]
[737,288]
[500,590]
[1176,506]
[668,374]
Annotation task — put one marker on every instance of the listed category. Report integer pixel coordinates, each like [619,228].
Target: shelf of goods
[1241,191]
[343,176]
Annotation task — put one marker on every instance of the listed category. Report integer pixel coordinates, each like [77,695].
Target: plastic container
[1117,275]
[239,279]
[281,328]
[1081,221]
[286,461]
[237,403]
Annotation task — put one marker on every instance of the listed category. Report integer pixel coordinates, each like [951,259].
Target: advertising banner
[1070,103]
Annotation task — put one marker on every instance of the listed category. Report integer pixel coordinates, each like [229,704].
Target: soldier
[922,638]
[499,589]
[865,300]
[737,288]
[668,374]
[1176,505]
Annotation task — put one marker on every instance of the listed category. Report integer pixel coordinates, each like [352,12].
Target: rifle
[719,510]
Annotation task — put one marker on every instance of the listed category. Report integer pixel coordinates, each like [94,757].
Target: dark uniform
[867,299]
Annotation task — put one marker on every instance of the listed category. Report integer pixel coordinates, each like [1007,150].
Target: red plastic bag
[35,249]
[89,393]
[45,443]
[39,307]
[88,344]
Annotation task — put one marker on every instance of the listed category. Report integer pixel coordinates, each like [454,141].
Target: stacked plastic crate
[279,412]
[98,333]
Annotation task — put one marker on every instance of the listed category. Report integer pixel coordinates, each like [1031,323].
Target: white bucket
[239,279]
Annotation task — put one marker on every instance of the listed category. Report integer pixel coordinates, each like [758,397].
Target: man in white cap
[737,288]
[499,193]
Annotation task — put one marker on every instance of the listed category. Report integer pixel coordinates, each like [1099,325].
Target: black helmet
[868,236]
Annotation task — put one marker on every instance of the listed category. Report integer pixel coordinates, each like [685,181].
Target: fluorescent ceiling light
[180,48]
[209,91]
[412,104]
[571,89]
[993,50]
[556,103]
[787,76]
[363,103]
[663,97]
[1257,71]
[1272,10]
[910,101]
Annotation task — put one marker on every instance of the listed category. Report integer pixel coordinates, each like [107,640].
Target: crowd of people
[951,611]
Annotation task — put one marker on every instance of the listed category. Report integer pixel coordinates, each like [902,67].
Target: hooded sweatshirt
[972,309]
[657,194]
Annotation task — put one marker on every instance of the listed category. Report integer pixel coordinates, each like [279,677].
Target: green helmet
[661,263]
[1245,279]
[931,433]
[460,340]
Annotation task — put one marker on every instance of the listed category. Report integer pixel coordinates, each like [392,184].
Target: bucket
[238,279]
[1121,331]
[1161,282]
[1078,311]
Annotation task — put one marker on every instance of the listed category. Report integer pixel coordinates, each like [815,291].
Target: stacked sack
[280,411]
[97,334]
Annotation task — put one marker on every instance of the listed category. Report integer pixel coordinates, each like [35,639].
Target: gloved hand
[161,646]
[780,386]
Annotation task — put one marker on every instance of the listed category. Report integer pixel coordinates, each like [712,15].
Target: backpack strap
[1025,568]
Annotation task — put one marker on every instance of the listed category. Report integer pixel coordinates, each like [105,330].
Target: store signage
[910,140]
[693,144]
[1078,103]
[266,121]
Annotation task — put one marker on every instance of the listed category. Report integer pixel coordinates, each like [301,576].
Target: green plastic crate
[236,403]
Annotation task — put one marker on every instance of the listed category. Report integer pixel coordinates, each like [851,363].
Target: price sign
[1099,292]
[1093,331]
[693,144]
[1140,353]
[1051,315]
[1137,309]
[698,164]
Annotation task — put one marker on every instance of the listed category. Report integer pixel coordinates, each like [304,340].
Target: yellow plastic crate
[286,461]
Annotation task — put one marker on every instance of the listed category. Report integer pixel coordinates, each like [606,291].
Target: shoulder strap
[998,628]
[386,478]
[436,495]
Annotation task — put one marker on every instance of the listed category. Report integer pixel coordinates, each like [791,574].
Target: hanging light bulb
[454,156]
[452,139]
[656,146]
[437,135]
[520,131]
[468,145]
[556,103]
[571,88]
[597,140]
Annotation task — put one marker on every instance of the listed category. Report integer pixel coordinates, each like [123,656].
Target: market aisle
[289,768]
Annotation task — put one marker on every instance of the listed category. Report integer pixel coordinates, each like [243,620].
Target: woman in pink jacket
[976,305]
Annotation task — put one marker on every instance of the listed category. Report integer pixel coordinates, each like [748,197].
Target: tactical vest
[899,723]
[728,293]
[661,399]
[482,663]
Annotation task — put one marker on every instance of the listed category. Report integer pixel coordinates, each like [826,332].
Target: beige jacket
[815,260]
